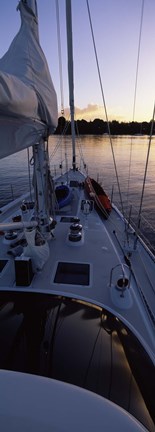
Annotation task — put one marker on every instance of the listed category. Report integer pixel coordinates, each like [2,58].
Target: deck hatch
[69,219]
[72,273]
[74,183]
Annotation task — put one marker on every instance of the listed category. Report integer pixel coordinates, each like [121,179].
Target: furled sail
[28,103]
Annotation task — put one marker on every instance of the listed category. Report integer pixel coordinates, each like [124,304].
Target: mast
[71,76]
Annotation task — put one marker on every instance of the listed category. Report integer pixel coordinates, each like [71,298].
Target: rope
[104,104]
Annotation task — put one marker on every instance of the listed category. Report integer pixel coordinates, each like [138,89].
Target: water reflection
[71,341]
[130,155]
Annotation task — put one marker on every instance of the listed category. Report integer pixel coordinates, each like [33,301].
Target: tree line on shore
[99,127]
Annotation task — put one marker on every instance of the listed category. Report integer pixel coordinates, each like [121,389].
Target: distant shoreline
[99,127]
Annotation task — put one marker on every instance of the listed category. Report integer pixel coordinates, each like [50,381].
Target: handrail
[9,226]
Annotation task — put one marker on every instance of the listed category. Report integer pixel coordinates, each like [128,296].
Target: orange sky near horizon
[94,111]
[116,26]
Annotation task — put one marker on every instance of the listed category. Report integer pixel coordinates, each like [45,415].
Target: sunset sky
[116,25]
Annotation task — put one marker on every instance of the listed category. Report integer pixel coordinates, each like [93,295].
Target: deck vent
[72,273]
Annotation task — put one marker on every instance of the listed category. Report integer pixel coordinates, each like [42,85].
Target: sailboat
[77,299]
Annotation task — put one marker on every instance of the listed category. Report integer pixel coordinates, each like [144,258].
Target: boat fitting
[123,282]
[75,233]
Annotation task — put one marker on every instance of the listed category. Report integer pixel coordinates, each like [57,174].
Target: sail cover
[28,103]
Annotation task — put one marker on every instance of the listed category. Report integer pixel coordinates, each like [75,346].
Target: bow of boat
[91,258]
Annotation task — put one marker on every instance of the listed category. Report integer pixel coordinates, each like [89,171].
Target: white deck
[100,249]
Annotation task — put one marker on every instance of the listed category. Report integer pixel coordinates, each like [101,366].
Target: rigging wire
[80,148]
[59,142]
[138,56]
[29,174]
[151,131]
[104,104]
[61,75]
[59,55]
[145,173]
[135,90]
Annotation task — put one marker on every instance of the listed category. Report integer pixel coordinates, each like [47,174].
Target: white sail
[28,103]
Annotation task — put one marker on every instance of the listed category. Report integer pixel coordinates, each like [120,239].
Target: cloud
[91,112]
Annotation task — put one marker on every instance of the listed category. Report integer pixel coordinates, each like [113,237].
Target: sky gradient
[116,25]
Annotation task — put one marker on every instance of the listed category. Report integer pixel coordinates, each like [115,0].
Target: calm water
[130,156]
